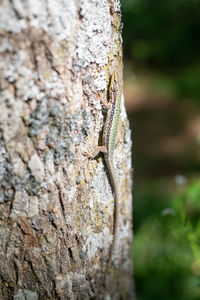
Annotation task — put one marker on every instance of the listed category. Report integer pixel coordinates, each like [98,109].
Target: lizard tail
[115,186]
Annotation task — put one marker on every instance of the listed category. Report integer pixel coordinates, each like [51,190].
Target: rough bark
[56,206]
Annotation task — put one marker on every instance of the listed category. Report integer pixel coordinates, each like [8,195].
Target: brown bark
[56,206]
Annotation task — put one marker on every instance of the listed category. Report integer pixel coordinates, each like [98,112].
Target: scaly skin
[109,139]
[108,146]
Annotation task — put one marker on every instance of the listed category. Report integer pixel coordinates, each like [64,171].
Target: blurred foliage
[167,242]
[161,42]
[164,35]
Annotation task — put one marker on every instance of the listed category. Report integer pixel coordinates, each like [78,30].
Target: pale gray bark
[56,206]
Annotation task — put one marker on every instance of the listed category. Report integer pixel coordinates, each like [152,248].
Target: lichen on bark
[56,214]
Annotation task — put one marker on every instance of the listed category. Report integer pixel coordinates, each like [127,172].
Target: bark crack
[61,201]
[37,279]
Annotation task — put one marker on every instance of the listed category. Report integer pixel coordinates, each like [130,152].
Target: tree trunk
[57,206]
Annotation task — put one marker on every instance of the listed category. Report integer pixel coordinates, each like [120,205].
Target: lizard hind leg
[98,149]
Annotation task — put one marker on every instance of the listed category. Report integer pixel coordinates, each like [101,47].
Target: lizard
[108,146]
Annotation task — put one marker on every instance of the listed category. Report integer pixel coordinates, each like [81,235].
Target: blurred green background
[161,41]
